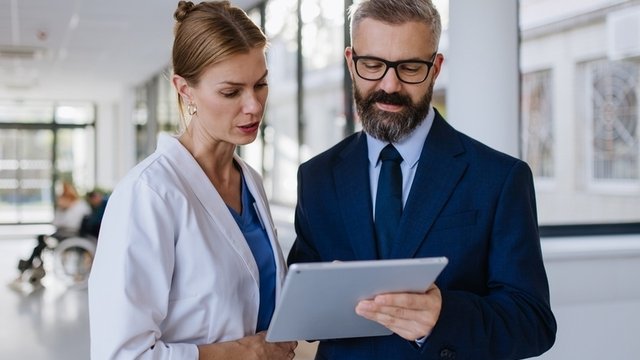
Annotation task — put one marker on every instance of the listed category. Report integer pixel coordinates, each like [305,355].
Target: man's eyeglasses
[408,71]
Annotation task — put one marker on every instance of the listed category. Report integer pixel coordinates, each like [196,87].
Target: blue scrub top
[258,240]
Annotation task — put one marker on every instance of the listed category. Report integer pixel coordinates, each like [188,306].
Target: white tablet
[318,300]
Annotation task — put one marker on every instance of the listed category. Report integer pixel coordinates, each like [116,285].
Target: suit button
[447,354]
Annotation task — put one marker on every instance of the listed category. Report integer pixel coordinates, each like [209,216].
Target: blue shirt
[409,148]
[258,240]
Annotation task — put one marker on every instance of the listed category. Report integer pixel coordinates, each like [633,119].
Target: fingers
[289,347]
[279,350]
[409,324]
[411,316]
[395,317]
[426,300]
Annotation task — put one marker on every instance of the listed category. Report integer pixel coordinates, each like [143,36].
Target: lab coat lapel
[437,175]
[351,176]
[193,176]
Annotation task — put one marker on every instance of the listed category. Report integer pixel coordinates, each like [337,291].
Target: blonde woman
[188,265]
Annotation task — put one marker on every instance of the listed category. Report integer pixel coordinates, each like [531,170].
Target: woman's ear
[182,88]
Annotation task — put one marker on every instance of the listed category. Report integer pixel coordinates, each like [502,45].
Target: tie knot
[390,153]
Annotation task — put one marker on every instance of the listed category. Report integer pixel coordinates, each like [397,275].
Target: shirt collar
[409,147]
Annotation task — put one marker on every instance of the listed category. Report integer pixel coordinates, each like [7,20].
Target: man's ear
[182,88]
[437,65]
[348,54]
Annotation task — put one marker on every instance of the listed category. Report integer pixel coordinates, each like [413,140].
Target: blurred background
[84,92]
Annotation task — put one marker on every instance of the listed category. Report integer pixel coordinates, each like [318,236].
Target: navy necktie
[388,200]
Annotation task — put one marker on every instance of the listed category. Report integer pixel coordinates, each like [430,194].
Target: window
[42,143]
[580,113]
[323,58]
[614,120]
[281,145]
[537,123]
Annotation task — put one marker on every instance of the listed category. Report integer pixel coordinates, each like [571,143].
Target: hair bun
[184,8]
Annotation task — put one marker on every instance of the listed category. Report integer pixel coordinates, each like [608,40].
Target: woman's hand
[248,348]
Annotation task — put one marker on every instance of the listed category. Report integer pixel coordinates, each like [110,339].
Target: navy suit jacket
[468,202]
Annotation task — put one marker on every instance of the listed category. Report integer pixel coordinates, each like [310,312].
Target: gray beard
[391,126]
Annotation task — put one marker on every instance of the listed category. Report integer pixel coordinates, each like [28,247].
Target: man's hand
[410,315]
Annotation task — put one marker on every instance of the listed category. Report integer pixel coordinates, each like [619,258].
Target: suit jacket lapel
[351,176]
[437,175]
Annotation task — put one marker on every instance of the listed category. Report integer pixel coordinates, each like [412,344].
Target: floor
[50,322]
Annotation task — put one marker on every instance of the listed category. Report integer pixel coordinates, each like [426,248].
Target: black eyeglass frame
[394,65]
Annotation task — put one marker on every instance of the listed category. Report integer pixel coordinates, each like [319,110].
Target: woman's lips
[249,128]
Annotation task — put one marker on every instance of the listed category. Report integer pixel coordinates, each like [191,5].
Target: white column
[115,140]
[483,90]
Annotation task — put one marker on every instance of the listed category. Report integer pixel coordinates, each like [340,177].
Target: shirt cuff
[421,341]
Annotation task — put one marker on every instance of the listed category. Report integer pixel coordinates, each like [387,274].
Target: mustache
[393,98]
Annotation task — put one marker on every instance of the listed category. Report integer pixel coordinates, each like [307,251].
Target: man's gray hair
[397,12]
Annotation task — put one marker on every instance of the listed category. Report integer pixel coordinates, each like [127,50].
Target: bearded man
[409,186]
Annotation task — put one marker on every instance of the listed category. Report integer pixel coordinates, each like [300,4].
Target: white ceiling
[83,49]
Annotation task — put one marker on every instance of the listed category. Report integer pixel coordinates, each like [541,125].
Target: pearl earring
[192,109]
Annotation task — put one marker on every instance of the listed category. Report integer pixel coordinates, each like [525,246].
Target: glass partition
[41,144]
[281,147]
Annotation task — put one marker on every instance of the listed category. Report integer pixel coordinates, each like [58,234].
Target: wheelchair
[69,259]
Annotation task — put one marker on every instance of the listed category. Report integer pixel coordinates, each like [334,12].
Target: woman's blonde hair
[208,33]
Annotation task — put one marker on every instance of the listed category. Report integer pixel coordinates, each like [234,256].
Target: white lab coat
[172,268]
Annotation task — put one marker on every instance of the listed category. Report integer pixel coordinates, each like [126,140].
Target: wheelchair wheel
[72,260]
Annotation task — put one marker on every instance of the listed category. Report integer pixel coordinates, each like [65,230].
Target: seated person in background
[91,222]
[69,212]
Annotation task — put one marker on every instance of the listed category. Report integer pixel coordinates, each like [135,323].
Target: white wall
[595,296]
